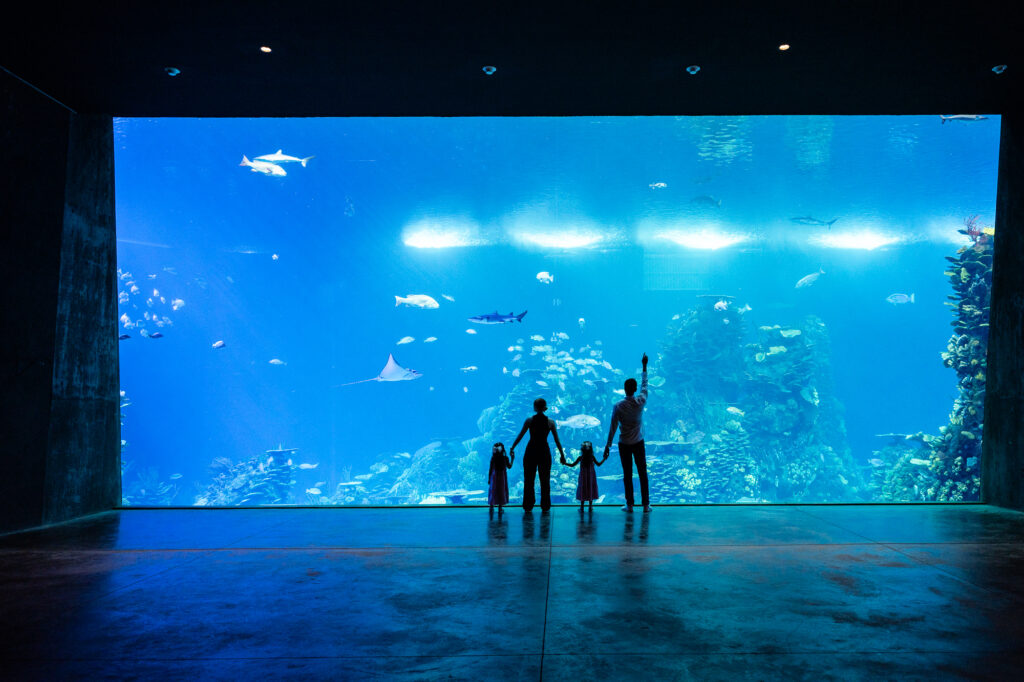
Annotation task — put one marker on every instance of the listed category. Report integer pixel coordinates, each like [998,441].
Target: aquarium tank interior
[351,311]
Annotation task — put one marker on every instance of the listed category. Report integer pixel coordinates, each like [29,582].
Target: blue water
[209,230]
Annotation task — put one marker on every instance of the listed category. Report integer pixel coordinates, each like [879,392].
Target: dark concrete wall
[58,418]
[1003,435]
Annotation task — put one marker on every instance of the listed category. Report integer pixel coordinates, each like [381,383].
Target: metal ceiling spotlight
[998,69]
[692,70]
[265,49]
[489,70]
[783,47]
[172,71]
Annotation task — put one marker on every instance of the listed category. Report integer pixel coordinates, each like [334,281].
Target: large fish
[392,372]
[278,157]
[497,318]
[962,117]
[264,167]
[417,301]
[809,279]
[580,421]
[811,220]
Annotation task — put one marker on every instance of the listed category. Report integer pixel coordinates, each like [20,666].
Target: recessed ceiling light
[489,70]
[784,46]
[265,49]
[692,70]
[172,71]
[999,68]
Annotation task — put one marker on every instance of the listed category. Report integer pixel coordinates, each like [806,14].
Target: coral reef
[260,480]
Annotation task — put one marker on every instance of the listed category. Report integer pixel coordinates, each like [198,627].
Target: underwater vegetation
[256,481]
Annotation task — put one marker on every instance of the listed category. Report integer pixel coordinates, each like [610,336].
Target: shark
[392,372]
[264,167]
[497,318]
[278,157]
[811,220]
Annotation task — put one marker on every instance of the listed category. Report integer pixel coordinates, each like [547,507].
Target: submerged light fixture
[442,234]
[709,240]
[489,70]
[867,240]
[565,240]
[692,70]
[998,69]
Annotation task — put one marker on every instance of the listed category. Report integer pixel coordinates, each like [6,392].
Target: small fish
[430,339]
[619,391]
[313,491]
[170,270]
[448,298]
[471,331]
[156,335]
[582,324]
[899,299]
[545,277]
[417,301]
[811,220]
[469,368]
[122,337]
[556,302]
[516,372]
[264,167]
[962,117]
[218,344]
[122,297]
[534,337]
[809,279]
[657,382]
[177,304]
[125,320]
[275,361]
[919,462]
[561,335]
[745,309]
[735,410]
[465,389]
[135,289]
[278,157]
[676,316]
[150,276]
[405,340]
[309,466]
[875,462]
[174,477]
[156,293]
[722,305]
[497,318]
[274,256]
[658,185]
[707,200]
[542,384]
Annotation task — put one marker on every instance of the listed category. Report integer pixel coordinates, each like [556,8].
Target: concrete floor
[702,593]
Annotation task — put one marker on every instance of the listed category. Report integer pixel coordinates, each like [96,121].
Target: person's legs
[640,453]
[544,471]
[626,457]
[529,473]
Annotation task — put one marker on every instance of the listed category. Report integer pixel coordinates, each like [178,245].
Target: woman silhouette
[538,455]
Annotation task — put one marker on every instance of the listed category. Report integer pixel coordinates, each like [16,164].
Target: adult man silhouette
[627,416]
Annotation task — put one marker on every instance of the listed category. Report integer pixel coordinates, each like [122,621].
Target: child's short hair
[540,404]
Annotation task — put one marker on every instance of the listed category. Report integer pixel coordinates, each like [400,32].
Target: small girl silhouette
[497,477]
[586,486]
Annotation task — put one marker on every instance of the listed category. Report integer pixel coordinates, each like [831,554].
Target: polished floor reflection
[747,592]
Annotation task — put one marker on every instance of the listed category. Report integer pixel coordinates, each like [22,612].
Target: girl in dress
[497,477]
[586,486]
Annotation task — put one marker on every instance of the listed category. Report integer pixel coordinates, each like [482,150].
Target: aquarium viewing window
[351,311]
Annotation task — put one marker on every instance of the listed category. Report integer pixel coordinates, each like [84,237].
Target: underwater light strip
[866,240]
[701,239]
[570,240]
[440,239]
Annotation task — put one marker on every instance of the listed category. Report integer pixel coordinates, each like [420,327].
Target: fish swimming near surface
[430,339]
[174,477]
[875,462]
[809,279]
[392,372]
[536,337]
[122,337]
[471,331]
[542,384]
[722,305]
[218,344]
[469,368]
[313,491]
[275,361]
[417,301]
[811,220]
[658,185]
[264,167]
[580,421]
[735,410]
[707,200]
[309,466]
[404,340]
[177,304]
[962,117]
[156,335]
[448,298]
[278,157]
[899,299]
[545,277]
[497,318]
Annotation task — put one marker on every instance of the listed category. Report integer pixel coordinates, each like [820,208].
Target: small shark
[278,157]
[497,318]
[962,117]
[810,220]
[392,372]
[264,167]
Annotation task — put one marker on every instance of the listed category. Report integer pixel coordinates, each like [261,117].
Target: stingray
[391,372]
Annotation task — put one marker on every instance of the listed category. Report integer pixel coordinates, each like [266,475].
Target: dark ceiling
[425,58]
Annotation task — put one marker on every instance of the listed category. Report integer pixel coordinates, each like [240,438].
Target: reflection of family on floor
[627,417]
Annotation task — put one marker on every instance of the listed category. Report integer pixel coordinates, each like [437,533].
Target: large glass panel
[352,311]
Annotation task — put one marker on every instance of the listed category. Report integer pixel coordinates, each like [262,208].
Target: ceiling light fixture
[489,70]
[172,71]
[998,69]
[265,49]
[784,46]
[692,70]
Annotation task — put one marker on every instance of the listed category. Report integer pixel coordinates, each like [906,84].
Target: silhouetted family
[627,418]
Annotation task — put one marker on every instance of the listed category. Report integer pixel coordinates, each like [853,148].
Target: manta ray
[392,372]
